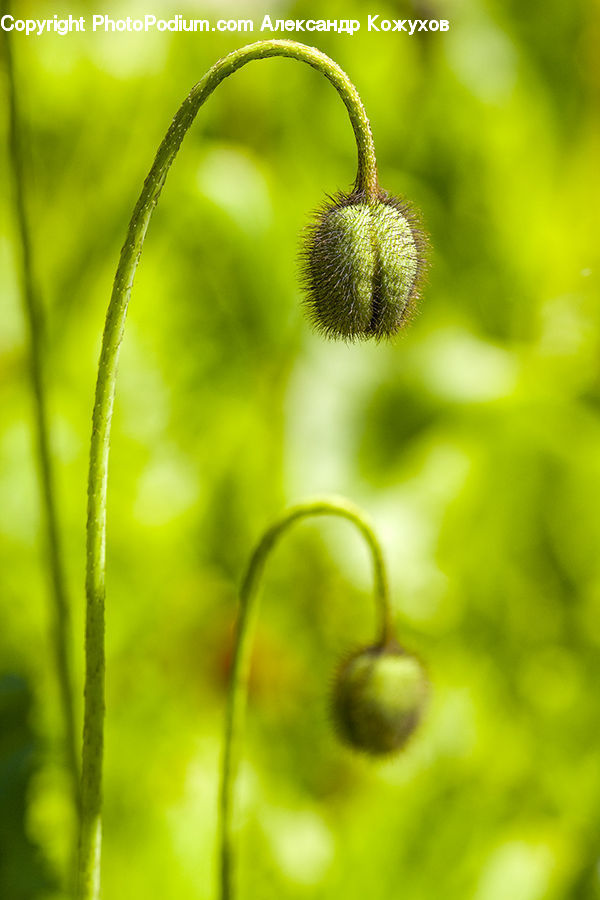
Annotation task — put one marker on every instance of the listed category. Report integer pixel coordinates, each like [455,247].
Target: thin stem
[238,687]
[61,630]
[366,182]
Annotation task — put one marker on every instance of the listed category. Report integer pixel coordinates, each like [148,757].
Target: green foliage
[473,442]
[23,872]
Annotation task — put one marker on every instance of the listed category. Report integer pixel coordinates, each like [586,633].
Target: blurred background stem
[61,631]
[238,685]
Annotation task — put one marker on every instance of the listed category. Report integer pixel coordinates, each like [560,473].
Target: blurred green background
[473,442]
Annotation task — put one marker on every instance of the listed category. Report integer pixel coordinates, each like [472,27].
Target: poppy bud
[363,262]
[379,698]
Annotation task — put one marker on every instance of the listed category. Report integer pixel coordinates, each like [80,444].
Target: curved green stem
[238,689]
[366,182]
[61,631]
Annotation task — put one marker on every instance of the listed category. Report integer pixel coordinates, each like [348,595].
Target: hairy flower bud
[363,262]
[379,698]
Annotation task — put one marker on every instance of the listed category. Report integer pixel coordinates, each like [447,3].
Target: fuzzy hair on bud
[379,698]
[363,264]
